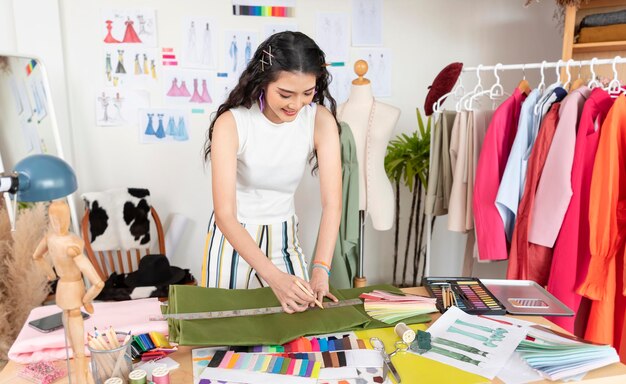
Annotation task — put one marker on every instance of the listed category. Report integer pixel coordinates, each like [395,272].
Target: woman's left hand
[319,284]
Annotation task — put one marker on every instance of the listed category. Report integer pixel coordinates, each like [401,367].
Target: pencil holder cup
[109,363]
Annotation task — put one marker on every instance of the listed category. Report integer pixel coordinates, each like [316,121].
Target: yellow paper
[416,369]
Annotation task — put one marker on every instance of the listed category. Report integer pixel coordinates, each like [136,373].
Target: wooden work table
[615,373]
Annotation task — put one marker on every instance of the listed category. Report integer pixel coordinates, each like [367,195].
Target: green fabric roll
[271,329]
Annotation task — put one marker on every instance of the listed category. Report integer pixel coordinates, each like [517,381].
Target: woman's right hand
[291,297]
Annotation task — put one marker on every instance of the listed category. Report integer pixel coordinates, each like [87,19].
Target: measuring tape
[246,312]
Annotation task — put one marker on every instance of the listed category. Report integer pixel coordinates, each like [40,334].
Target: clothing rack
[560,64]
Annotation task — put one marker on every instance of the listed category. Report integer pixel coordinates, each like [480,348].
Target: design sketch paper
[332,35]
[38,97]
[130,65]
[129,26]
[188,87]
[367,22]
[270,29]
[379,62]
[162,125]
[119,106]
[239,47]
[199,42]
[340,84]
[223,87]
[473,344]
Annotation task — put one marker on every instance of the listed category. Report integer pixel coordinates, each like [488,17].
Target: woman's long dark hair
[291,52]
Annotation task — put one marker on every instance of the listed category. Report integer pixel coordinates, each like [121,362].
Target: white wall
[424,36]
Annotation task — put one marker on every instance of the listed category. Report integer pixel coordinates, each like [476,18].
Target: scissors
[400,346]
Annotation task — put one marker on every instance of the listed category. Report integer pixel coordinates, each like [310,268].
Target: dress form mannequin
[372,123]
[66,252]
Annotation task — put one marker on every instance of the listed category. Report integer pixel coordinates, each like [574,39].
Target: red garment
[571,254]
[130,36]
[493,156]
[521,266]
[607,231]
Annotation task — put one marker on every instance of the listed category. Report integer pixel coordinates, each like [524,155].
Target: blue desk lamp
[39,178]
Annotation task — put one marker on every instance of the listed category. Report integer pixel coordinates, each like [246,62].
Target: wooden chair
[119,260]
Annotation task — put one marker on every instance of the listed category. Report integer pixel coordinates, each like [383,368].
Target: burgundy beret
[442,84]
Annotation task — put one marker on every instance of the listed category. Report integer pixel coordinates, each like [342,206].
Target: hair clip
[269,55]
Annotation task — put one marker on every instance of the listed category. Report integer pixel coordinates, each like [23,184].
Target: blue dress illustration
[150,128]
[160,132]
[248,50]
[171,127]
[232,52]
[182,134]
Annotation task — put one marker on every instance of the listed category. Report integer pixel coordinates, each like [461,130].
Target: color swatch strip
[326,359]
[309,344]
[275,364]
[263,10]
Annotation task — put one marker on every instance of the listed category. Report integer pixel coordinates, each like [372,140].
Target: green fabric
[271,329]
[346,253]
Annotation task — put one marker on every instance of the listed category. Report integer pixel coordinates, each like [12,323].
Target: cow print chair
[119,228]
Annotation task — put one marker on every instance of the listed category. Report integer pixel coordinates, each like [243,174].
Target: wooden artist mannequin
[371,138]
[66,252]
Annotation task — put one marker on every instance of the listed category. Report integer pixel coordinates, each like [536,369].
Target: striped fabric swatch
[309,344]
[266,364]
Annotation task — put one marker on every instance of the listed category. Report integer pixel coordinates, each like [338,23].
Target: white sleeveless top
[271,160]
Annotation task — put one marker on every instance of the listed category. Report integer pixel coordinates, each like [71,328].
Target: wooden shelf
[602,3]
[600,47]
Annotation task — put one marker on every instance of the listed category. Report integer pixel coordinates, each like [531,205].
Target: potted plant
[407,161]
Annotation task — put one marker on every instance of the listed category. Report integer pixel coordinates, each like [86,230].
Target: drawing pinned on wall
[379,62]
[39,101]
[340,84]
[199,43]
[119,106]
[270,29]
[223,86]
[130,65]
[161,125]
[367,22]
[332,35]
[240,46]
[130,26]
[188,87]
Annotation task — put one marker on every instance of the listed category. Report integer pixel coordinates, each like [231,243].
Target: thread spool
[161,375]
[138,376]
[404,332]
[114,380]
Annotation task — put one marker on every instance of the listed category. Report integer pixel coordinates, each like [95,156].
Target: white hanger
[458,88]
[477,88]
[495,92]
[593,82]
[557,82]
[542,84]
[614,87]
[569,75]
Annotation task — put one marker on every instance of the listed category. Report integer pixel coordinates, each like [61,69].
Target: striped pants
[223,267]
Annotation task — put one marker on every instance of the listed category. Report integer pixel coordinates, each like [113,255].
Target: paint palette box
[468,294]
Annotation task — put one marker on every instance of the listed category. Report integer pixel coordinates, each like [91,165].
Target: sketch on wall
[130,65]
[162,125]
[239,47]
[223,87]
[332,36]
[119,106]
[270,29]
[379,61]
[188,87]
[129,26]
[367,22]
[340,84]
[199,43]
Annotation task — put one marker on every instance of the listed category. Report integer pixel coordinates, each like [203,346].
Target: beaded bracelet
[325,268]
[321,263]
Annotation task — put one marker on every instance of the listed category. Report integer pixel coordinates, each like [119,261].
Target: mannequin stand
[359,279]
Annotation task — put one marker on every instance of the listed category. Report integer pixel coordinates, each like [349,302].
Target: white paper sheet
[496,342]
[332,35]
[199,43]
[379,62]
[367,22]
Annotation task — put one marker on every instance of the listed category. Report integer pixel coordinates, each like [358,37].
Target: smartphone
[51,323]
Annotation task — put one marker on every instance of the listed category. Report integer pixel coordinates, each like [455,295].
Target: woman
[258,143]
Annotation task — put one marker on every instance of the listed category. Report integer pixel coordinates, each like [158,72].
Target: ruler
[246,312]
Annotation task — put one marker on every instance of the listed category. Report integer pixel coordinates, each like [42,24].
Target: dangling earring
[261,102]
